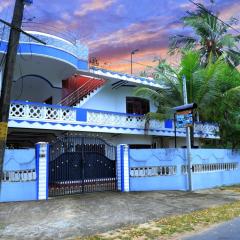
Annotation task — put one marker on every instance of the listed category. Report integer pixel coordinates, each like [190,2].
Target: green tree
[215,88]
[211,36]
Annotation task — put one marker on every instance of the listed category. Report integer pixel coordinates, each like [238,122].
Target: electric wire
[210,13]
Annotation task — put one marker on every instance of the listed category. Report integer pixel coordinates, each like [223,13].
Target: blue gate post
[123,168]
[42,159]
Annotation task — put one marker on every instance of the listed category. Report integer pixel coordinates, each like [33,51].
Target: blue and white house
[58,98]
[103,102]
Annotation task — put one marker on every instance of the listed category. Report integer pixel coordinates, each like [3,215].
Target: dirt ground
[86,214]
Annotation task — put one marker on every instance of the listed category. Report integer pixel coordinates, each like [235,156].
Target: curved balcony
[74,53]
[44,116]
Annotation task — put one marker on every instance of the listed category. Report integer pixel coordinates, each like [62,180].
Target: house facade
[70,124]
[56,91]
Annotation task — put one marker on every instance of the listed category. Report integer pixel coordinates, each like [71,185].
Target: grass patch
[169,226]
[234,188]
[2,226]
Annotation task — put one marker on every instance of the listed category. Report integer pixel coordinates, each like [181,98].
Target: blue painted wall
[16,160]
[155,158]
[215,178]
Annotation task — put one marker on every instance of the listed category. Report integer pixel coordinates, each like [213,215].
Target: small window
[135,105]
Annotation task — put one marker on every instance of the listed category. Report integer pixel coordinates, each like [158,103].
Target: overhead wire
[210,13]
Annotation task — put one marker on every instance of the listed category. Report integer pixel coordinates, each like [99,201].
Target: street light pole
[133,52]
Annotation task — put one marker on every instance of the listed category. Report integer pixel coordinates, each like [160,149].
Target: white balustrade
[76,48]
[206,128]
[41,112]
[51,113]
[115,120]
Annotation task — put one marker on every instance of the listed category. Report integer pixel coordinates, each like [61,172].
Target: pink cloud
[232,10]
[94,5]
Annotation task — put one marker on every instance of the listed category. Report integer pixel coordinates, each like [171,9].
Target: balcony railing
[77,49]
[44,113]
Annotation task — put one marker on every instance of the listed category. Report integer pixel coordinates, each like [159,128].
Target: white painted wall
[114,100]
[34,89]
[53,70]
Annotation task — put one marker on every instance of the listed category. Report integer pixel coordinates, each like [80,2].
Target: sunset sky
[113,28]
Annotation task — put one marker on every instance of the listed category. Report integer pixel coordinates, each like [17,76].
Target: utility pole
[188,139]
[8,73]
[133,52]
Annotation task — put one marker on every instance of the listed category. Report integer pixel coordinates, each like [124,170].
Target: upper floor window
[136,105]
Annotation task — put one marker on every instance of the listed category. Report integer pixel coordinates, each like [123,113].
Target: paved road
[63,217]
[226,231]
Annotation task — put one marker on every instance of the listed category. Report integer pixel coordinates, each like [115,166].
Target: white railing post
[123,183]
[44,112]
[42,161]
[26,111]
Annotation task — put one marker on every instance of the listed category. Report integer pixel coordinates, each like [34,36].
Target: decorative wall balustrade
[77,49]
[113,119]
[205,128]
[166,168]
[19,176]
[213,167]
[121,120]
[153,171]
[46,112]
[40,112]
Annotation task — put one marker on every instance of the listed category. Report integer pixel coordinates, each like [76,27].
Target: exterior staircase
[78,88]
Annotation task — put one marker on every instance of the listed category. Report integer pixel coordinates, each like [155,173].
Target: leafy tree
[211,36]
[215,88]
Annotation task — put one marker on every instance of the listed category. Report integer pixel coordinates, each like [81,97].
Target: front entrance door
[81,164]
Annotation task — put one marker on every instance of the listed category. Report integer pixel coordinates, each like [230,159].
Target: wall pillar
[123,167]
[42,159]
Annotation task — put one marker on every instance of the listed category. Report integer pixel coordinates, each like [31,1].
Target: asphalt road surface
[226,231]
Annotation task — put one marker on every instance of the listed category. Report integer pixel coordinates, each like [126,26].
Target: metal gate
[81,164]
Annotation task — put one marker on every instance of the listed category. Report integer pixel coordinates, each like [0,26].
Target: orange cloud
[146,60]
[94,5]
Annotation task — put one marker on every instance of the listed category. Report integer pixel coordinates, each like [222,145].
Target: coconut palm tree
[211,36]
[215,88]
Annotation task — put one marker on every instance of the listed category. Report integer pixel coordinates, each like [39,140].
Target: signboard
[184,119]
[27,2]
[3,131]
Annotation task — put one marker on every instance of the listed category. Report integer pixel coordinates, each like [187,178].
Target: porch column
[42,159]
[123,167]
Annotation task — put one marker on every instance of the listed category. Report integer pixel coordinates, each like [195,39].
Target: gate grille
[81,164]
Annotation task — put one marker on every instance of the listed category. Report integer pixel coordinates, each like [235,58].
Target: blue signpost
[27,2]
[184,119]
